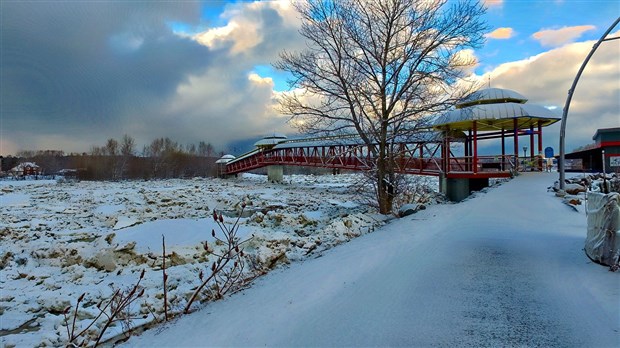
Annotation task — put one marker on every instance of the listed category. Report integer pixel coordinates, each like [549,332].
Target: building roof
[354,139]
[20,167]
[606,130]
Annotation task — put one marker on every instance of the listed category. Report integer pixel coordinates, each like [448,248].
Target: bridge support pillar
[275,173]
[457,189]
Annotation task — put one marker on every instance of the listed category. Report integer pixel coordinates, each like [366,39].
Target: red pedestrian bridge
[447,149]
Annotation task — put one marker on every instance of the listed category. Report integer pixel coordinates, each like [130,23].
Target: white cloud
[258,80]
[546,78]
[559,37]
[493,3]
[215,37]
[466,56]
[501,34]
[246,24]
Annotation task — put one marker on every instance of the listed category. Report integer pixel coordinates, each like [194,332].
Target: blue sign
[548,152]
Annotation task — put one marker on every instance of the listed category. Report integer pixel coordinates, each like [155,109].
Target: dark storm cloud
[77,73]
[79,65]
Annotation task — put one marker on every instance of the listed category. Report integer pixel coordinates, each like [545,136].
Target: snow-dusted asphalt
[503,269]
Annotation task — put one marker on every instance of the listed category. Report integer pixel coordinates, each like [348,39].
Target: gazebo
[221,164]
[495,113]
[491,113]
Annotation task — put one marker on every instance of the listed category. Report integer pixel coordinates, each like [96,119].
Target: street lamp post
[570,96]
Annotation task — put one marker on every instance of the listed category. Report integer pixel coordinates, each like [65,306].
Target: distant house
[25,169]
[607,146]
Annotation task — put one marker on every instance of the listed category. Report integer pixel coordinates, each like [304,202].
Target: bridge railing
[358,158]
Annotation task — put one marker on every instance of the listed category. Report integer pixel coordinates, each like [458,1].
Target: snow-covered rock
[124,222]
[408,209]
[573,189]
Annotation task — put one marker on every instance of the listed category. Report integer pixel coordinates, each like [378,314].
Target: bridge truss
[429,155]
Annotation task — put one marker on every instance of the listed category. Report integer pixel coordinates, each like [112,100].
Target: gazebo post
[468,148]
[540,147]
[540,142]
[532,141]
[467,143]
[503,149]
[475,164]
[447,152]
[444,167]
[516,142]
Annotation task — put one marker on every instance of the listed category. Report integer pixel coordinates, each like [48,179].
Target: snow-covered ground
[503,269]
[62,239]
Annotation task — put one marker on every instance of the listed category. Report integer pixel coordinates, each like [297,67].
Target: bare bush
[226,271]
[115,309]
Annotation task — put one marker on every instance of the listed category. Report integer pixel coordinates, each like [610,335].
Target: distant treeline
[162,159]
[89,167]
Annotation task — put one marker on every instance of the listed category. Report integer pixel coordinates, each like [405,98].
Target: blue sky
[526,18]
[77,73]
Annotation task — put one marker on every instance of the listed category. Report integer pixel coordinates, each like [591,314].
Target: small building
[26,169]
[270,141]
[221,164]
[606,145]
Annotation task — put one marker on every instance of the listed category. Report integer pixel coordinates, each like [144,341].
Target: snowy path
[503,269]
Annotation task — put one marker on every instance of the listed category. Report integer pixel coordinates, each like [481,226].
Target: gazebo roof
[271,140]
[495,109]
[225,159]
[492,96]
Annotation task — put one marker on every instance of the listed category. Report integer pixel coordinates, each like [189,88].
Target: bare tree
[205,149]
[112,167]
[191,149]
[111,147]
[379,69]
[128,149]
[25,153]
[128,146]
[96,151]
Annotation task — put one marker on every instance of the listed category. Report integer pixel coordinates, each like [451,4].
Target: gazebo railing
[465,164]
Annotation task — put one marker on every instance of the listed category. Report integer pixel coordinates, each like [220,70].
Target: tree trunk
[385,188]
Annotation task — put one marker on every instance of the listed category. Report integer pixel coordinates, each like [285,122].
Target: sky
[76,73]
